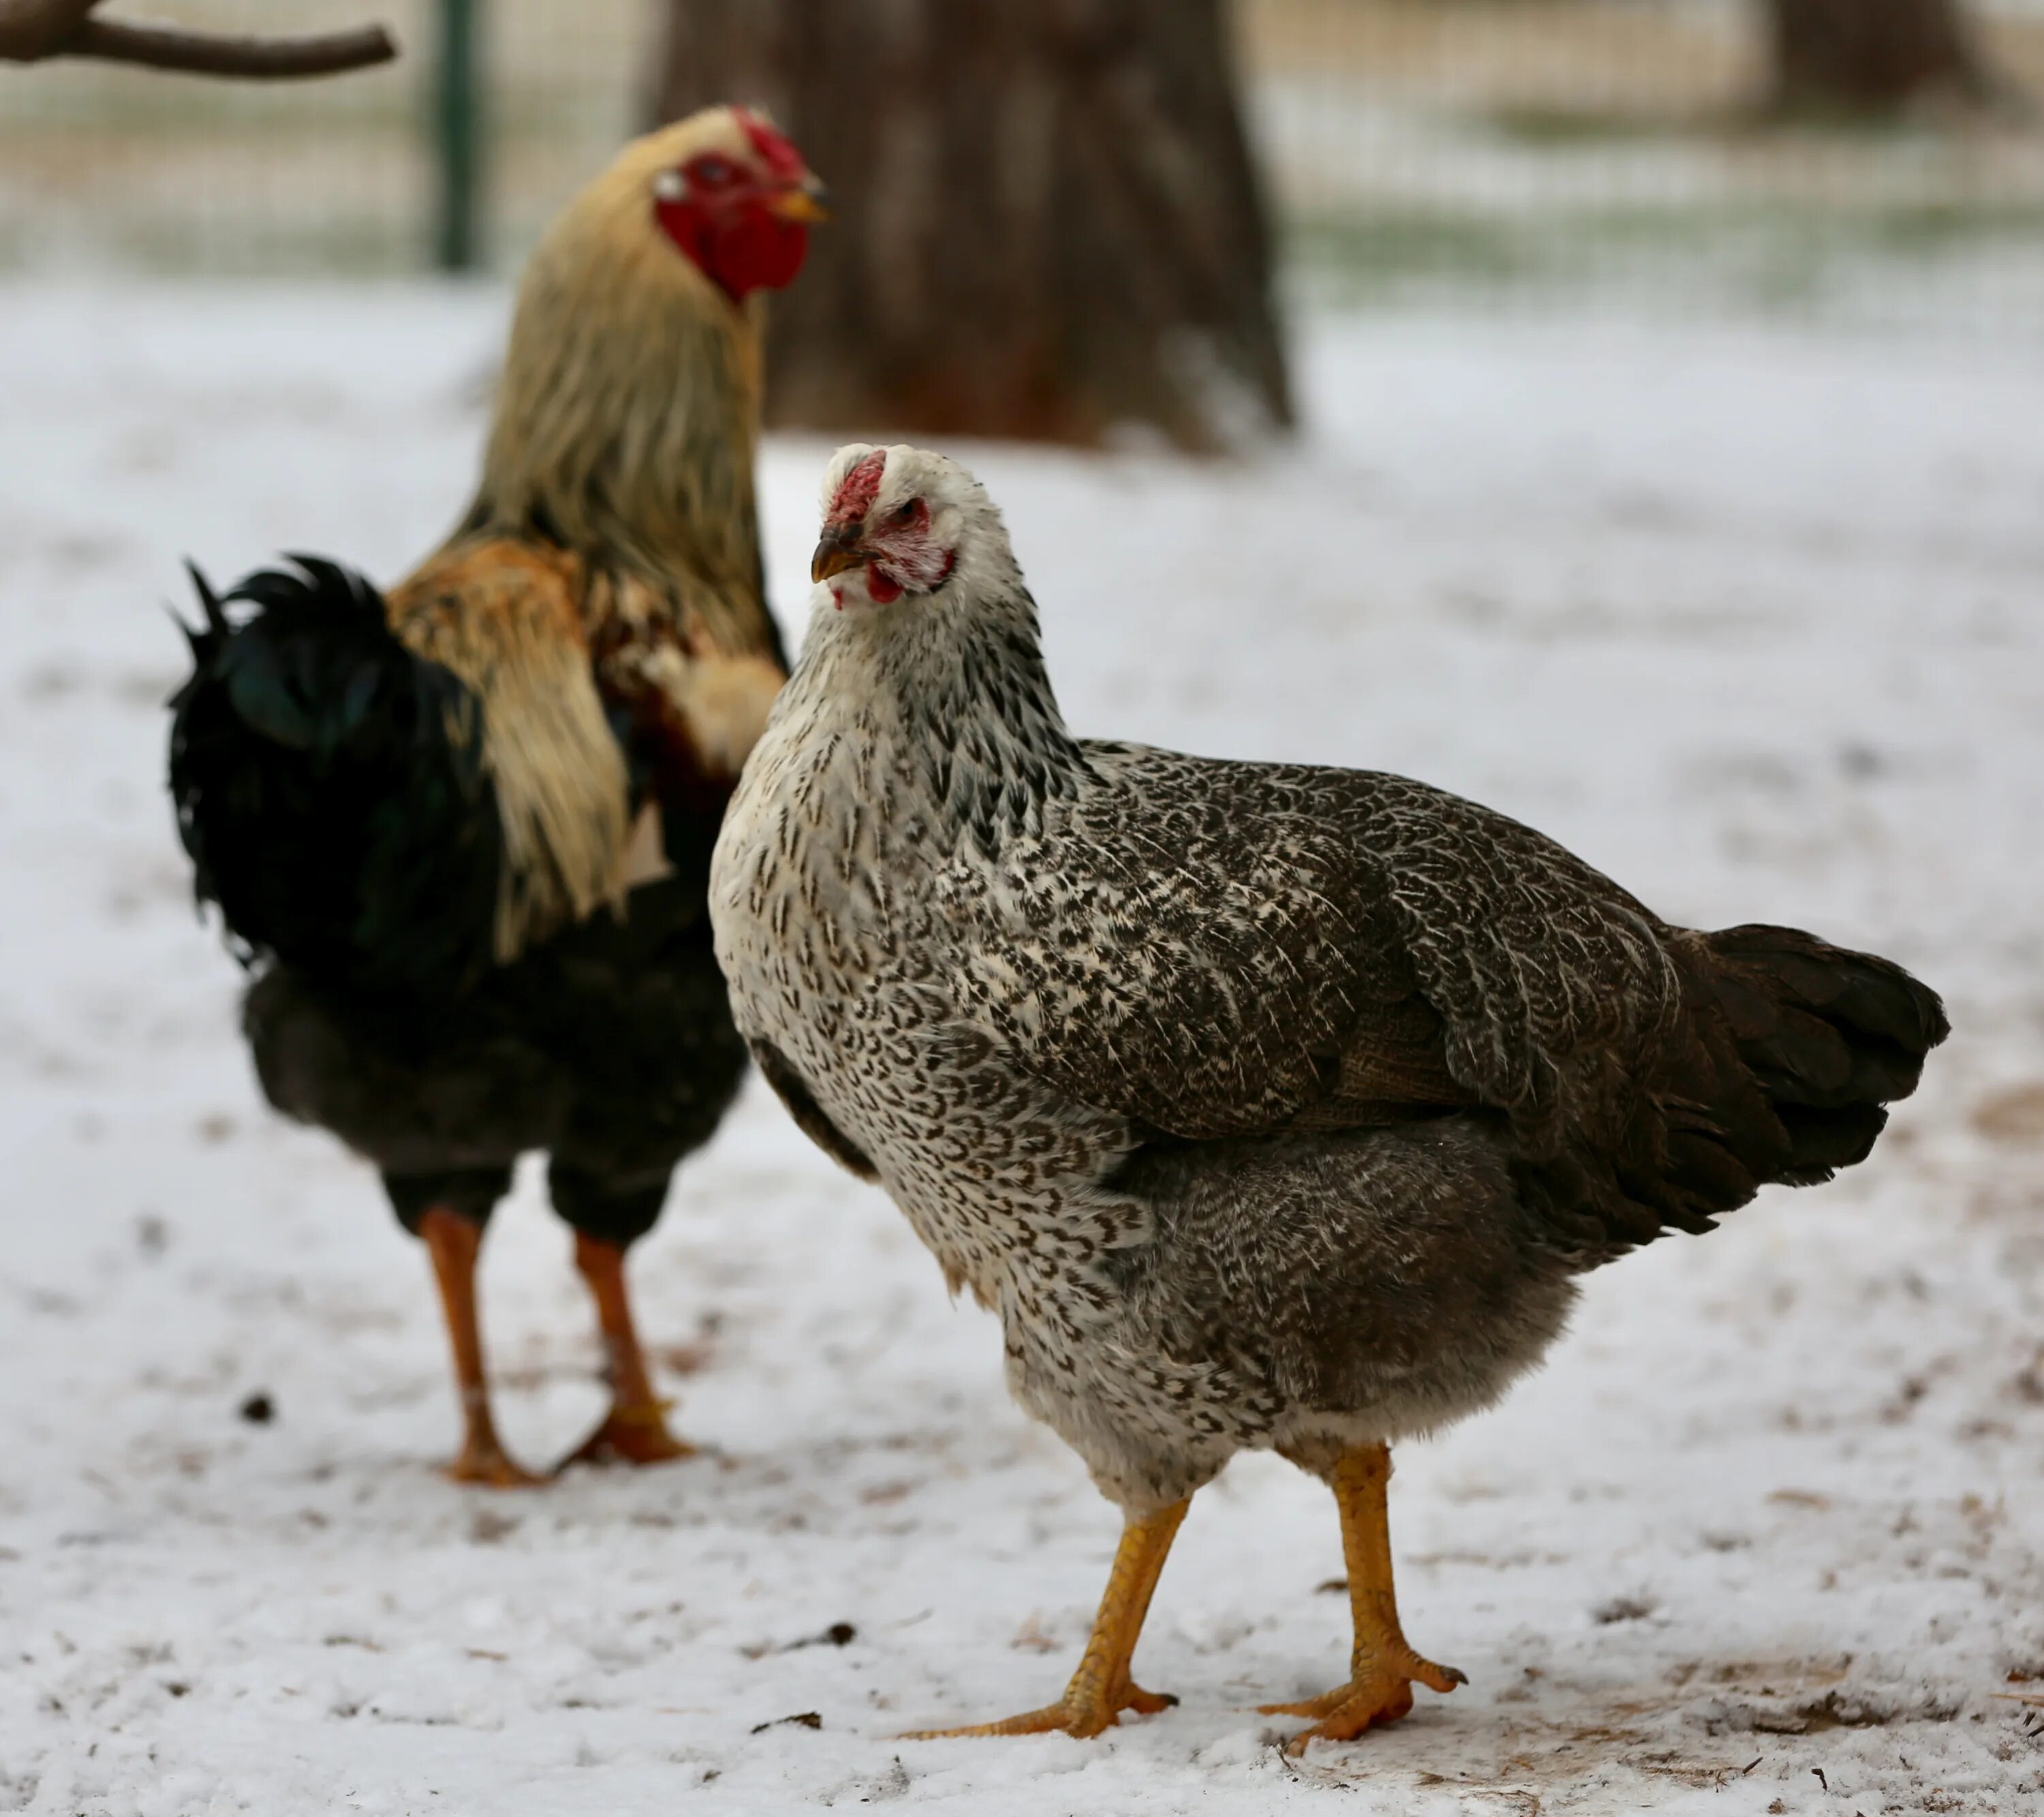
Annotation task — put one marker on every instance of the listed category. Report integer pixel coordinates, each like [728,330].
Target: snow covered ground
[1750,620]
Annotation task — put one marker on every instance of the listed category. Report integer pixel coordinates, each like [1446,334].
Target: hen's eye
[713,169]
[902,514]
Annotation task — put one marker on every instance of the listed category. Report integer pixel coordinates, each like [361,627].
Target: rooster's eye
[713,169]
[902,514]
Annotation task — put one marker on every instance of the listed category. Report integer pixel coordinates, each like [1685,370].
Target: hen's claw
[1083,1715]
[1374,1695]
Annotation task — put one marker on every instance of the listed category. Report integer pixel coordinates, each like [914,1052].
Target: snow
[1746,617]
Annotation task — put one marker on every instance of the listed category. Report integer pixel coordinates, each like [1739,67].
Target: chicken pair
[1267,1106]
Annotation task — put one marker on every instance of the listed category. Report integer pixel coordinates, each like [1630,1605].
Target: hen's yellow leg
[454,1242]
[1382,1668]
[636,1428]
[1102,1688]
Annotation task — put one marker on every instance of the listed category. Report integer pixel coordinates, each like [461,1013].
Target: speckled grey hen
[1267,1105]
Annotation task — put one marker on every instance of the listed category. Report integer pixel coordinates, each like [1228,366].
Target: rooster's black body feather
[330,790]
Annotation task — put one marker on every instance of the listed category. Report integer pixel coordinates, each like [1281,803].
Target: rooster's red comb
[777,151]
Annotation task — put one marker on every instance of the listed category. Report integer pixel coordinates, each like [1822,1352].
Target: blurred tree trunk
[1047,221]
[1872,56]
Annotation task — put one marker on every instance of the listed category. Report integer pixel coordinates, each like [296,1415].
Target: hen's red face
[896,546]
[742,220]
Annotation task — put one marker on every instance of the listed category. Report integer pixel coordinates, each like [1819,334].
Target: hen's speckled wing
[1220,949]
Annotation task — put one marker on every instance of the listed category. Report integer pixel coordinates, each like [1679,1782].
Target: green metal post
[458,127]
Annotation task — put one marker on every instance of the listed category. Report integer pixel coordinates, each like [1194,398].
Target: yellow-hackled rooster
[463,832]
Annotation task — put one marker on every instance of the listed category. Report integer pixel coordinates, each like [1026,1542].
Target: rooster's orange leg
[1102,1688]
[1382,1668]
[636,1428]
[454,1242]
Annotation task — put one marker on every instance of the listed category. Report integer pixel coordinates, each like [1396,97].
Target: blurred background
[1688,151]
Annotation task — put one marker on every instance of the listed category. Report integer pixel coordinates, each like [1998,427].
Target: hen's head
[931,614]
[723,189]
[901,523]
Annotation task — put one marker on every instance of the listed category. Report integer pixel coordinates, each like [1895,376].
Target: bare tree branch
[163,47]
[32,30]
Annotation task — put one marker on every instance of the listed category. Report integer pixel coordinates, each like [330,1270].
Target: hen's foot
[1081,1712]
[485,1462]
[630,1435]
[1102,1688]
[1379,1692]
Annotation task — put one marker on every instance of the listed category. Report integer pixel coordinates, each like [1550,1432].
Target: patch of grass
[1926,229]
[1777,254]
[1537,125]
[357,247]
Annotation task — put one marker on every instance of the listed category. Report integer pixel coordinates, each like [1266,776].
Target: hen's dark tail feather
[329,785]
[1786,1059]
[1831,1038]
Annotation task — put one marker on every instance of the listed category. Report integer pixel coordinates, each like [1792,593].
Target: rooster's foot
[485,1463]
[631,1435]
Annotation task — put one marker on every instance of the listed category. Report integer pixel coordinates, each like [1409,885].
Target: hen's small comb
[857,489]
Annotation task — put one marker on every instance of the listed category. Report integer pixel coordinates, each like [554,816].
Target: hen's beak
[839,550]
[808,203]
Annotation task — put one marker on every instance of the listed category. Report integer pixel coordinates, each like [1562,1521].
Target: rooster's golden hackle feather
[611,551]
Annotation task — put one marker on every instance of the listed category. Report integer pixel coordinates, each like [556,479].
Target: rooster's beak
[838,550]
[809,203]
